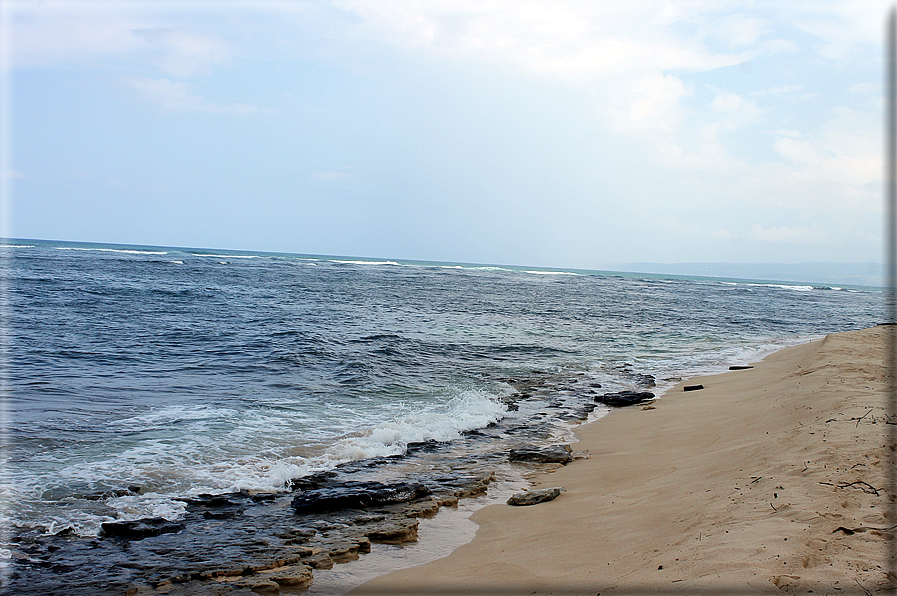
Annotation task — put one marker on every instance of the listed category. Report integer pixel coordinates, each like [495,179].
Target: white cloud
[846,150]
[186,53]
[570,38]
[52,33]
[175,96]
[736,109]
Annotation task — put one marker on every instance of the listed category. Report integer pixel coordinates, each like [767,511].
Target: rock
[296,577]
[425,509]
[319,561]
[140,529]
[533,497]
[109,494]
[312,481]
[739,367]
[625,398]
[556,454]
[394,533]
[646,380]
[344,552]
[296,535]
[261,586]
[358,495]
[692,387]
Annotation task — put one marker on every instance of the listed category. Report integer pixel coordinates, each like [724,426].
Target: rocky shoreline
[255,542]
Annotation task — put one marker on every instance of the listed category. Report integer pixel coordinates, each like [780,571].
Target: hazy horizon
[564,133]
[868,274]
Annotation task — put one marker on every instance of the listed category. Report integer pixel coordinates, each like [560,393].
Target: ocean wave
[467,411]
[552,272]
[364,262]
[126,251]
[796,288]
[231,256]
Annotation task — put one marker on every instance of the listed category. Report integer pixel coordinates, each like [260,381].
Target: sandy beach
[769,479]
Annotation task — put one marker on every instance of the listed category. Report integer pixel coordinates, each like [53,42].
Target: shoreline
[704,491]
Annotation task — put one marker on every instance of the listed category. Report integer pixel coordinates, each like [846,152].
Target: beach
[768,479]
[181,408]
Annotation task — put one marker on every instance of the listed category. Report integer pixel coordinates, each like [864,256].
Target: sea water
[188,371]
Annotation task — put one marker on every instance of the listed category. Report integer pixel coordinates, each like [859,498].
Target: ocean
[138,378]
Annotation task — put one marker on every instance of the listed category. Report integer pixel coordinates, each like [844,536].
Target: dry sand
[739,487]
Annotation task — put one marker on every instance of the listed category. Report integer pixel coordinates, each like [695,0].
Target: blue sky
[545,133]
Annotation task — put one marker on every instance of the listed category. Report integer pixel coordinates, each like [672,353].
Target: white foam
[133,507]
[230,256]
[798,288]
[119,250]
[466,411]
[552,272]
[364,262]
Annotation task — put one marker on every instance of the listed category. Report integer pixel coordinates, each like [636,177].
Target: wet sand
[768,480]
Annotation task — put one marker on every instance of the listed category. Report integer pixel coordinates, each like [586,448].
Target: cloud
[175,96]
[845,150]
[186,53]
[53,33]
[573,39]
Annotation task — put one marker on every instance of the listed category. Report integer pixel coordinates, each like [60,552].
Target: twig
[863,486]
[773,507]
[858,425]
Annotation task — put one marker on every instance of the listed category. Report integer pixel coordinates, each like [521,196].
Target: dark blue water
[186,371]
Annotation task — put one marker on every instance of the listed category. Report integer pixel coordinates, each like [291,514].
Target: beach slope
[769,479]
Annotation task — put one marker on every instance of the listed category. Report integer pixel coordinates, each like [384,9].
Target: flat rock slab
[358,495]
[555,454]
[532,497]
[692,387]
[622,399]
[140,528]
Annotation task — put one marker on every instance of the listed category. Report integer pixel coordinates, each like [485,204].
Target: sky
[548,133]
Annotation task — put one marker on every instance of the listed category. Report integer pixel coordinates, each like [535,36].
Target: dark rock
[313,481]
[625,398]
[739,367]
[358,495]
[297,534]
[532,497]
[140,529]
[108,494]
[560,454]
[206,500]
[423,446]
[646,380]
[692,387]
